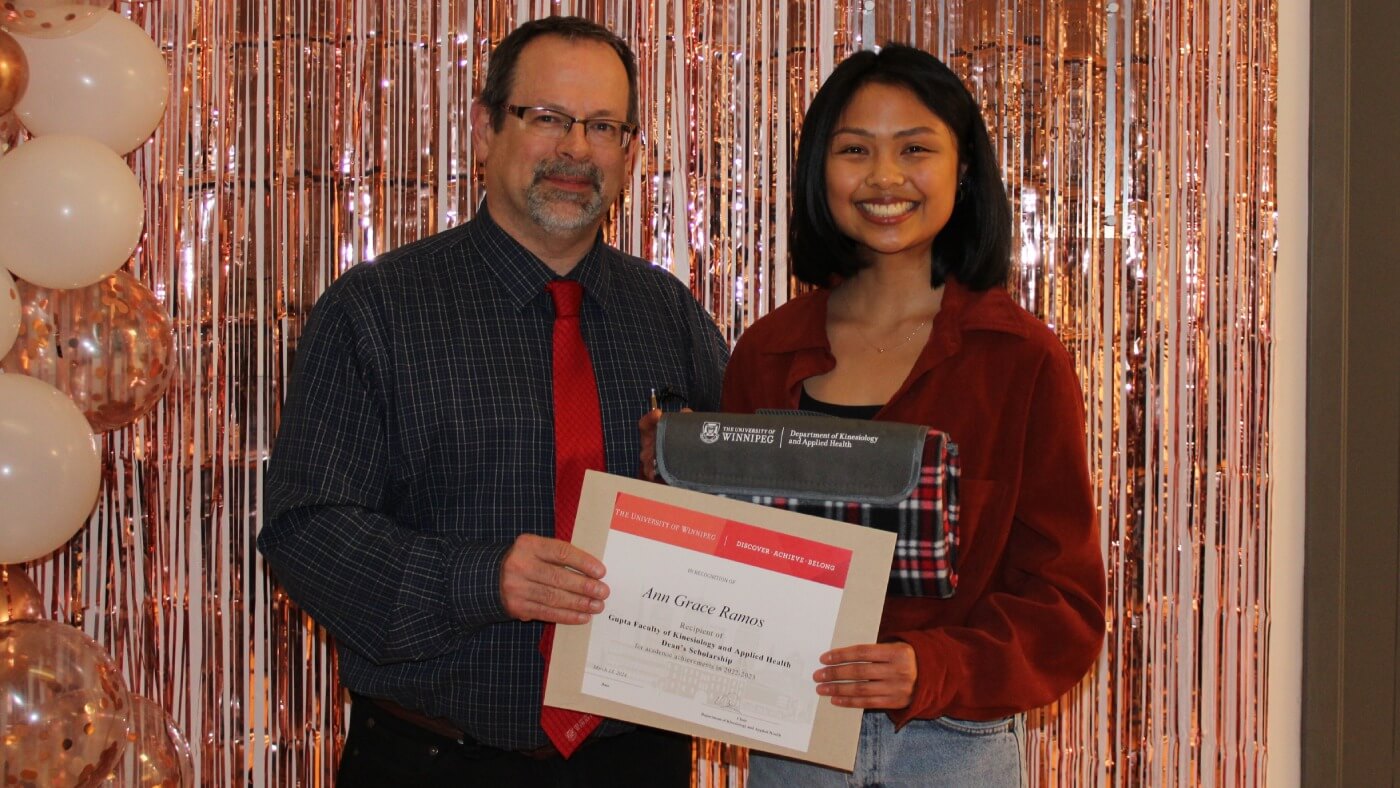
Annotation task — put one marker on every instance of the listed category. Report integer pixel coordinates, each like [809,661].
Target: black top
[808,402]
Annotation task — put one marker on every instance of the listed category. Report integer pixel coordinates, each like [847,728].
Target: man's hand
[544,579]
[870,676]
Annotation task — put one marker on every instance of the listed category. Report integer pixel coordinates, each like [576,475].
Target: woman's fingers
[869,676]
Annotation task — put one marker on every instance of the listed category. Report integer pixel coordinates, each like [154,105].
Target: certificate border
[836,730]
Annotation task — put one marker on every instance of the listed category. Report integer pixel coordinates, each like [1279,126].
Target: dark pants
[383,750]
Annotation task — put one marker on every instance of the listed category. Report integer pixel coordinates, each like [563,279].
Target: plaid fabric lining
[925,524]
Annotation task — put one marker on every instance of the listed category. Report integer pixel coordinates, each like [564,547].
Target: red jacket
[1027,621]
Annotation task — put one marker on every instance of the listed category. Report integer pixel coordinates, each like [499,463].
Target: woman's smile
[887,212]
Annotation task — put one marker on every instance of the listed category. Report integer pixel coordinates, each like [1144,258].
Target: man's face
[552,192]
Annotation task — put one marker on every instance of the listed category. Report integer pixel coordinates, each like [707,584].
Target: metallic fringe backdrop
[1138,140]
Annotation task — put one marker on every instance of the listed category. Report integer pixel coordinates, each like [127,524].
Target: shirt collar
[961,310]
[808,322]
[522,275]
[983,310]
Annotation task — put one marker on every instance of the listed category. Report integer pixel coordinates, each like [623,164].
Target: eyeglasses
[554,124]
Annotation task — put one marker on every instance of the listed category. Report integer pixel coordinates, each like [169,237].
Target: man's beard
[545,203]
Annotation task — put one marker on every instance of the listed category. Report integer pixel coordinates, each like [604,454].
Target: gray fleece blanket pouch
[901,478]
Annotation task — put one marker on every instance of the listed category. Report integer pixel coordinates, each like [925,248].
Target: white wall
[1290,321]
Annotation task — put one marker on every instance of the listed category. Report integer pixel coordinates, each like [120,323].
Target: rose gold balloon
[20,600]
[157,755]
[107,346]
[63,706]
[14,72]
[49,18]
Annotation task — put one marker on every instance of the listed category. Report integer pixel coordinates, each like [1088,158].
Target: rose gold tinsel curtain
[1138,141]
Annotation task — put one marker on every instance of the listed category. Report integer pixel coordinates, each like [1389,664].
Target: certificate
[719,610]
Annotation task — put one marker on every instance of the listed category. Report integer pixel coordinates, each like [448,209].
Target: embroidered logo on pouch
[709,432]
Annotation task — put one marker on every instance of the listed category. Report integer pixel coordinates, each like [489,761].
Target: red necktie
[578,446]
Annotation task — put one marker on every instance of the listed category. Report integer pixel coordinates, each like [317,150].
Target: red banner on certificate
[747,544]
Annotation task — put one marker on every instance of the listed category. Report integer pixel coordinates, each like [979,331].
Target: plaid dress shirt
[417,442]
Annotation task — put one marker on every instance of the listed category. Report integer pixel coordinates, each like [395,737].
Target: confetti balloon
[20,600]
[63,707]
[49,18]
[107,346]
[11,131]
[157,755]
[9,312]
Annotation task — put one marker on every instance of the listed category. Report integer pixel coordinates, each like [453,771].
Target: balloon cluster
[84,347]
[66,715]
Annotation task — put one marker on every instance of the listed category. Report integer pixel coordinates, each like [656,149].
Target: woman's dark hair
[975,245]
[500,71]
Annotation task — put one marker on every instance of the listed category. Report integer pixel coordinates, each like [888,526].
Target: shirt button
[433,751]
[369,723]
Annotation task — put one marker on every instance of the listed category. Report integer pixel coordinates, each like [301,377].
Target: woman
[901,219]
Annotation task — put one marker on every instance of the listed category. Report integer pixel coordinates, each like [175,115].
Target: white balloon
[10,310]
[50,469]
[70,211]
[108,82]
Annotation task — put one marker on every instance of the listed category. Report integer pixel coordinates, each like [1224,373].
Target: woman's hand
[869,676]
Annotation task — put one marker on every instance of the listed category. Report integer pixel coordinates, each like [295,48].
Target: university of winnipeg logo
[709,432]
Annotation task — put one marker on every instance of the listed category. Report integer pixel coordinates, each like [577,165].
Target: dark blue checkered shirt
[417,442]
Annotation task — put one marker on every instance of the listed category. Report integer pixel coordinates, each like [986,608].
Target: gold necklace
[900,343]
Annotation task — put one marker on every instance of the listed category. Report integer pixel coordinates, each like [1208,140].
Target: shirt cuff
[476,583]
[935,683]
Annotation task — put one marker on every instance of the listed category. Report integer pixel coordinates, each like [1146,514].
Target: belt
[436,725]
[444,728]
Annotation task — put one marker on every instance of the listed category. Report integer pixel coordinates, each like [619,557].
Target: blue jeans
[937,752]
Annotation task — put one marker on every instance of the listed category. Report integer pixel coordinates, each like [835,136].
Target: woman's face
[891,174]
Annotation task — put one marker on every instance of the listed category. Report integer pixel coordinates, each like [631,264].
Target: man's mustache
[564,169]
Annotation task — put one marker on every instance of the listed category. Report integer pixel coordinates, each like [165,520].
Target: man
[412,491]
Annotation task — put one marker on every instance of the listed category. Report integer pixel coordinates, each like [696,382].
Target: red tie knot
[567,295]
